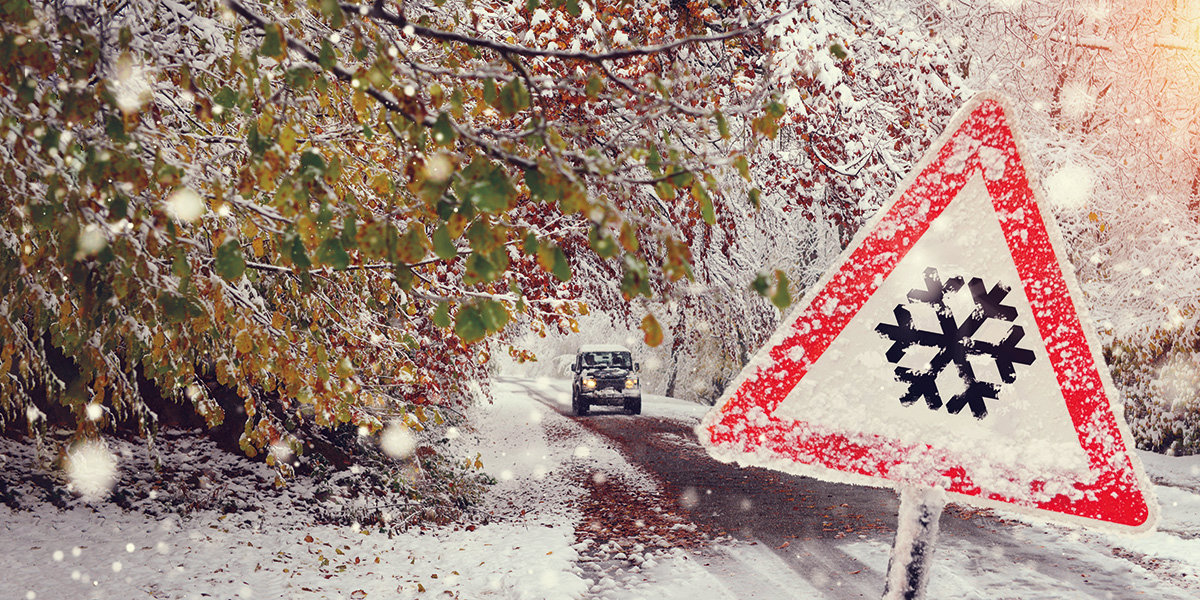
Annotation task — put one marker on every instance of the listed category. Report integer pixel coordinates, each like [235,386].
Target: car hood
[606,373]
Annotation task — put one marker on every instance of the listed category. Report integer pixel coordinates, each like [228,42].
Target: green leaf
[539,189]
[485,185]
[300,78]
[513,97]
[441,315]
[333,11]
[742,166]
[333,254]
[594,86]
[782,297]
[469,324]
[443,246]
[485,238]
[531,5]
[229,262]
[573,8]
[443,131]
[226,97]
[722,125]
[838,51]
[179,264]
[682,179]
[665,190]
[489,91]
[760,285]
[755,195]
[273,42]
[298,254]
[602,243]
[118,207]
[706,205]
[324,217]
[554,260]
[257,144]
[484,268]
[495,316]
[654,161]
[328,58]
[176,308]
[114,128]
[635,279]
[349,232]
[412,245]
[312,165]
[404,276]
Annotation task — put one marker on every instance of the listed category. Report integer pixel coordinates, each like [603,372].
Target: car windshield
[607,359]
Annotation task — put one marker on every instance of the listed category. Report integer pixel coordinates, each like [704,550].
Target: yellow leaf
[287,139]
[243,342]
[360,102]
[654,332]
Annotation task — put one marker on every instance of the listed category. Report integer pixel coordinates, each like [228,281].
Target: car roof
[603,348]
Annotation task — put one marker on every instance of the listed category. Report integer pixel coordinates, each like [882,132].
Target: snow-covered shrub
[1162,396]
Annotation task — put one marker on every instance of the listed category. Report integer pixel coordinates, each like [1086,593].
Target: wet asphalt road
[812,525]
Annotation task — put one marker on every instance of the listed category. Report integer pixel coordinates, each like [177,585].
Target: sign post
[946,349]
[916,534]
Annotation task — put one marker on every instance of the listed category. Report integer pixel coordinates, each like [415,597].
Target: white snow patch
[1070,187]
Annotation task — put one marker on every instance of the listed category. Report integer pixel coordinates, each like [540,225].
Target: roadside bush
[1162,395]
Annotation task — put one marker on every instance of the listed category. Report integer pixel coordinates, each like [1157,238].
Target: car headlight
[589,382]
[631,383]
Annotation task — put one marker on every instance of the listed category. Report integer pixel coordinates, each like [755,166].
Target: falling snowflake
[955,343]
[91,469]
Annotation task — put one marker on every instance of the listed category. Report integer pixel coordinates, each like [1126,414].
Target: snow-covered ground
[529,549]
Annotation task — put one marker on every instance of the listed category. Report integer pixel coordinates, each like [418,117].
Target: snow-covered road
[576,514]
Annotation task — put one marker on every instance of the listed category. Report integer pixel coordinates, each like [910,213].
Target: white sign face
[945,350]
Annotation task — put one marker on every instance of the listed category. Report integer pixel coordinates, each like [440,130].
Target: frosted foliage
[91,469]
[1070,187]
[1179,382]
[1077,100]
[131,88]
[397,440]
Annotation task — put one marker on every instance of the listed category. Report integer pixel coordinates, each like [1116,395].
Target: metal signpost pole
[916,533]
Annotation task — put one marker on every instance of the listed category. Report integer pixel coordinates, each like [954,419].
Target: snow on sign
[944,350]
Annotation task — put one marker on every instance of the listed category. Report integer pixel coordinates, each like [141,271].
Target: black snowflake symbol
[955,343]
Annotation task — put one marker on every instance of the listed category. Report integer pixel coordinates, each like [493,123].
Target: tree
[325,211]
[864,88]
[1107,93]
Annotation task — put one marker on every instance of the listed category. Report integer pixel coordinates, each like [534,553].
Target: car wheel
[579,405]
[634,406]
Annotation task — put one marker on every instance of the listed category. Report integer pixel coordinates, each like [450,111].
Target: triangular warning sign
[945,349]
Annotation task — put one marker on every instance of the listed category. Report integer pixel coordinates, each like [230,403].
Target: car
[605,374]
